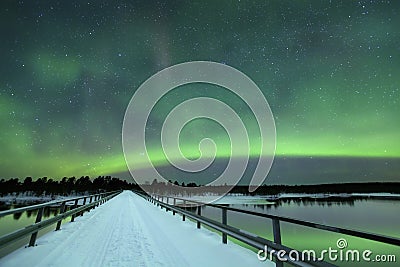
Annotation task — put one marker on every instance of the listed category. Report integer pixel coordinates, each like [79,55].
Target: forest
[84,184]
[66,186]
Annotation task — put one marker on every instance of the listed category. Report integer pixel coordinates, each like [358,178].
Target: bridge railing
[179,205]
[76,209]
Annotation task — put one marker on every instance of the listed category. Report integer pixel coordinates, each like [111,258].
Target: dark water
[376,216]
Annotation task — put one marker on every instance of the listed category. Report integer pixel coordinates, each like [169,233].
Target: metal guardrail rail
[93,201]
[252,239]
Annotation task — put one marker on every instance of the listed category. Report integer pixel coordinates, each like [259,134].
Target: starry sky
[330,71]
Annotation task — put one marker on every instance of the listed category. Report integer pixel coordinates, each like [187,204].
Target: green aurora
[329,70]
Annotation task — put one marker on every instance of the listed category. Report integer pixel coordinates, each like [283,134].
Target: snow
[231,199]
[330,195]
[383,195]
[23,198]
[130,231]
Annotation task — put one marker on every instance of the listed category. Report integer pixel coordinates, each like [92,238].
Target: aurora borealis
[330,71]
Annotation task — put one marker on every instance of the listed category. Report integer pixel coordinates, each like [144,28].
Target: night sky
[330,71]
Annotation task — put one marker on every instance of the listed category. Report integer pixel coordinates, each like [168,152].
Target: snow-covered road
[129,231]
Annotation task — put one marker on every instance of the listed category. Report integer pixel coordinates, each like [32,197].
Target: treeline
[370,187]
[193,188]
[65,186]
[72,185]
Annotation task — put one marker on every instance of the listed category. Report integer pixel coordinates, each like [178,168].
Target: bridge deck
[129,231]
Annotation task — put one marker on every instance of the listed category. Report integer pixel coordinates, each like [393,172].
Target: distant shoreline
[314,192]
[333,197]
[370,189]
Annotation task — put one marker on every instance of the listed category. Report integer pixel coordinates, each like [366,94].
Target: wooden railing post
[84,203]
[95,199]
[99,199]
[224,221]
[198,213]
[75,206]
[90,201]
[63,208]
[34,235]
[183,215]
[276,229]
